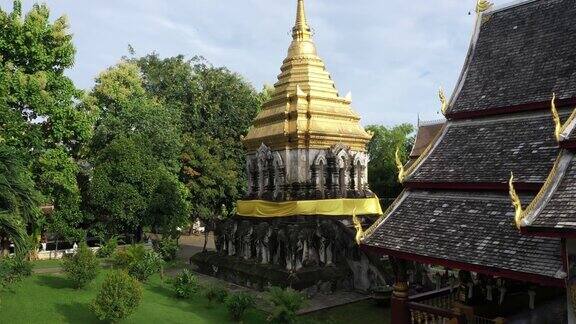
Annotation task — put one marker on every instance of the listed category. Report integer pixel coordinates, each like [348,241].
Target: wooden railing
[434,307]
[426,314]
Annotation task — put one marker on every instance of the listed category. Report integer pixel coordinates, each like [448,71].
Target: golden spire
[556,117]
[518,212]
[301,30]
[305,110]
[358,225]
[400,166]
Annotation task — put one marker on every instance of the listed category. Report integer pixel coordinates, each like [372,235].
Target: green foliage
[39,114]
[167,248]
[118,297]
[14,268]
[383,175]
[216,106]
[82,267]
[185,284]
[135,153]
[138,261]
[108,248]
[215,292]
[18,199]
[238,304]
[286,302]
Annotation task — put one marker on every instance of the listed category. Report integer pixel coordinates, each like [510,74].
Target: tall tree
[383,173]
[217,107]
[134,153]
[38,111]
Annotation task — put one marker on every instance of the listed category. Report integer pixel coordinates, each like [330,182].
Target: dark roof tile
[473,228]
[522,55]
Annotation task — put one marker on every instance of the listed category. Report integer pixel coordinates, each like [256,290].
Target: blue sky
[392,55]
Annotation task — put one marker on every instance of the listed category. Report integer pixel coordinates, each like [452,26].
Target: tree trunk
[205,238]
[5,246]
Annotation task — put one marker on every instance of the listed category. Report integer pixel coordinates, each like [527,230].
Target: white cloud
[393,55]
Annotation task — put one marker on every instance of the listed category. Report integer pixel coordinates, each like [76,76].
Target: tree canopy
[383,173]
[135,156]
[39,114]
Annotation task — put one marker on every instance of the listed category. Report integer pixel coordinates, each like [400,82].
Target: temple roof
[555,206]
[305,109]
[486,150]
[519,55]
[426,133]
[467,230]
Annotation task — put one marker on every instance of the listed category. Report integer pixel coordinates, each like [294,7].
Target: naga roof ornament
[556,118]
[400,166]
[358,226]
[483,5]
[443,101]
[516,202]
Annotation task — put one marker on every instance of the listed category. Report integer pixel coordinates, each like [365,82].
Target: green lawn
[46,264]
[49,298]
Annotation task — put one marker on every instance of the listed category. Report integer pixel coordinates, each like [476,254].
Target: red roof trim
[492,271]
[568,144]
[520,186]
[562,232]
[510,109]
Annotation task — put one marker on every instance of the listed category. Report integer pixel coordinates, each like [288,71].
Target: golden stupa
[305,110]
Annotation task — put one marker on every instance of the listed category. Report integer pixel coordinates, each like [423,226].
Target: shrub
[167,248]
[82,267]
[118,297]
[215,293]
[107,249]
[286,302]
[185,284]
[14,268]
[138,261]
[238,304]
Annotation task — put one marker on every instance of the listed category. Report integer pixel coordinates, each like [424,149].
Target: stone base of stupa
[247,273]
[308,253]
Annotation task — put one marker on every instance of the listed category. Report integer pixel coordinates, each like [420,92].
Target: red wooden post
[399,300]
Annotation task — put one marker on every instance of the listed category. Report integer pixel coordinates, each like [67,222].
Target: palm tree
[19,200]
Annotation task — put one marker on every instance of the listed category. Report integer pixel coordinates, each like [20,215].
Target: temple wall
[336,172]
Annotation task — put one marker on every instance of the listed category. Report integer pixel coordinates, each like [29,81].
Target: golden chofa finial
[518,211]
[483,5]
[301,30]
[443,101]
[556,118]
[400,166]
[358,225]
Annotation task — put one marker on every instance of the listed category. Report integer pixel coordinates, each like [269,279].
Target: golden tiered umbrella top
[305,110]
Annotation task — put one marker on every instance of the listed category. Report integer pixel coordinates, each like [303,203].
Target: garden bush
[286,303]
[216,293]
[185,284]
[82,267]
[108,248]
[167,248]
[238,304]
[139,262]
[14,268]
[118,297]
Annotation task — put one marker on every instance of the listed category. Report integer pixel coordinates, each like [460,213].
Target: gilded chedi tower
[307,197]
[307,142]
